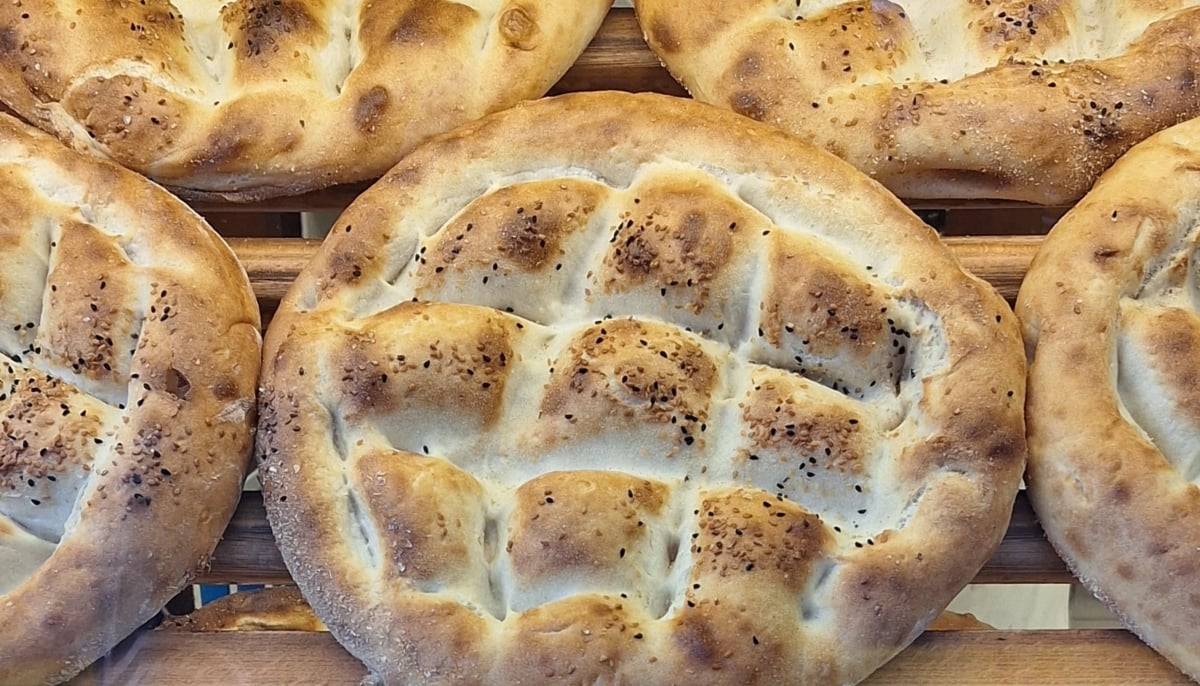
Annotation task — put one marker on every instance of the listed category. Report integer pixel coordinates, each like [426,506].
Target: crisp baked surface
[1109,315]
[630,389]
[281,608]
[955,621]
[129,347]
[247,99]
[1006,99]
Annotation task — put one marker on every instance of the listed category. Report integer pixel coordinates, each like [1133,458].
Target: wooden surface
[248,555]
[944,658]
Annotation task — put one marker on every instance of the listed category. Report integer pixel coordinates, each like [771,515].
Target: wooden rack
[618,59]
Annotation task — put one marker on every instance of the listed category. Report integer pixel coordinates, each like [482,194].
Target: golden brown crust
[729,414]
[282,608]
[1004,99]
[129,353]
[249,99]
[956,621]
[1109,315]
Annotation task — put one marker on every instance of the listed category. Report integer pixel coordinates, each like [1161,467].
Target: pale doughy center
[853,494]
[1156,325]
[60,404]
[1099,31]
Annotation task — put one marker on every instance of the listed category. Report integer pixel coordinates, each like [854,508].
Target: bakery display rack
[994,240]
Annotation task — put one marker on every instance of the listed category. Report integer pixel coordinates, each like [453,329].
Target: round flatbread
[1109,313]
[249,99]
[630,389]
[129,348]
[1003,99]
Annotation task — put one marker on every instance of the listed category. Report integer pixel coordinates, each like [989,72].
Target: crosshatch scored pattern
[127,361]
[580,417]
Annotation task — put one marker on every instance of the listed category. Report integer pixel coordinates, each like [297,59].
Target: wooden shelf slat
[1000,260]
[248,554]
[273,263]
[1098,657]
[618,59]
[943,658]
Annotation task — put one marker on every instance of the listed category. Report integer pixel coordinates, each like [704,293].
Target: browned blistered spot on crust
[581,522]
[848,41]
[636,256]
[584,639]
[93,332]
[1125,571]
[224,146]
[776,419]
[634,370]
[432,629]
[405,174]
[413,26]
[8,40]
[519,27]
[693,632]
[811,293]
[128,113]
[225,389]
[664,241]
[748,65]
[1120,493]
[1002,447]
[262,25]
[749,104]
[41,431]
[344,265]
[752,540]
[429,23]
[1018,27]
[370,108]
[443,356]
[1076,544]
[1174,343]
[526,242]
[881,593]
[972,440]
[364,373]
[519,227]
[34,53]
[419,501]
[662,36]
